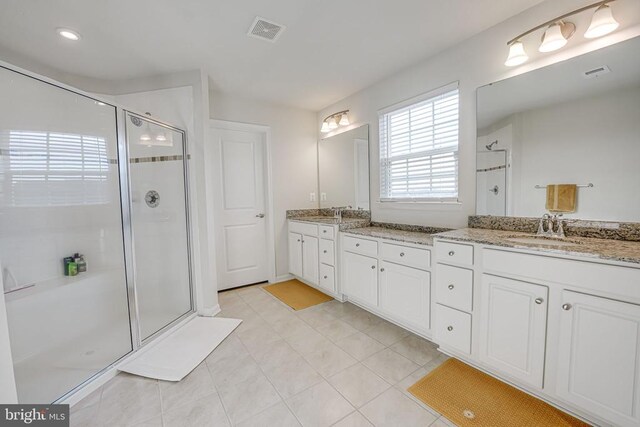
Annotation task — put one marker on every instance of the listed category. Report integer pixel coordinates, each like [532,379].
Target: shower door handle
[260,215]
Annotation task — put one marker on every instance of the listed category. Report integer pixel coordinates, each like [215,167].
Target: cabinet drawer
[327,252]
[454,252]
[361,246]
[303,228]
[454,287]
[327,277]
[453,328]
[326,232]
[406,255]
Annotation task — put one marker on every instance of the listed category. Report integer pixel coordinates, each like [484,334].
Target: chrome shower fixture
[489,146]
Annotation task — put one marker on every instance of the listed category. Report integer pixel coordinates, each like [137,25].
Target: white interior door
[239,206]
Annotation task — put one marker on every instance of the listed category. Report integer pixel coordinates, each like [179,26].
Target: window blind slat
[419,150]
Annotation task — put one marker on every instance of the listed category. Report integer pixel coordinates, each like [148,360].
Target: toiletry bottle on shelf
[72,269]
[82,264]
[66,261]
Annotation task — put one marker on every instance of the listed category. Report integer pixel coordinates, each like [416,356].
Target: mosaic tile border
[629,231]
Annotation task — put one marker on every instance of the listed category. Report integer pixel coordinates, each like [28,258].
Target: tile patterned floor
[331,364]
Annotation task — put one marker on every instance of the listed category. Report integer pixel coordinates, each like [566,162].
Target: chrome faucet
[550,225]
[337,211]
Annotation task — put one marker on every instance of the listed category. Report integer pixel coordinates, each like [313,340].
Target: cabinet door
[405,292]
[361,278]
[310,260]
[295,254]
[513,328]
[599,357]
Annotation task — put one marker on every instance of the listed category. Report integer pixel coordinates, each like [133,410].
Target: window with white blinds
[419,148]
[40,168]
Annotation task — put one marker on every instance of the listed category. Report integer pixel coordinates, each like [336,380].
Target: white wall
[475,62]
[293,157]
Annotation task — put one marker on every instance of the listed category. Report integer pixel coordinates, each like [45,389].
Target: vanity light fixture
[68,34]
[335,120]
[559,30]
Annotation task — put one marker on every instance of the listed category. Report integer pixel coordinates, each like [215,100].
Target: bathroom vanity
[560,320]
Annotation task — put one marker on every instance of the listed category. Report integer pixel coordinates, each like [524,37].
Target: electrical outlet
[312,197]
[323,197]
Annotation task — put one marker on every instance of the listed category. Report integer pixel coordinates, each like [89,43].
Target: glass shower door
[159,223]
[60,195]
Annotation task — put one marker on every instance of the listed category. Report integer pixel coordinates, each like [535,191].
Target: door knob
[260,215]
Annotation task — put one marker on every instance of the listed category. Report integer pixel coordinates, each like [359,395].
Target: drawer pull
[357,244]
[566,307]
[539,301]
[449,328]
[373,267]
[401,253]
[382,269]
[451,253]
[450,287]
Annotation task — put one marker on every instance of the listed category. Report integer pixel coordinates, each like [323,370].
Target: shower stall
[95,256]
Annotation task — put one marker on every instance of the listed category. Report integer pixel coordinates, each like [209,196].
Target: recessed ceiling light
[68,34]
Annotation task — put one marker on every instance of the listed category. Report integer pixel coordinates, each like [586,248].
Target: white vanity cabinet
[513,325]
[564,328]
[312,257]
[599,356]
[360,274]
[391,279]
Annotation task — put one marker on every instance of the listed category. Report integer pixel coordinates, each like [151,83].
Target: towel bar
[589,185]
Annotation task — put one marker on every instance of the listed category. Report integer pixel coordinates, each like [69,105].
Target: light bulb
[602,23]
[517,55]
[332,123]
[69,34]
[344,120]
[552,39]
[325,127]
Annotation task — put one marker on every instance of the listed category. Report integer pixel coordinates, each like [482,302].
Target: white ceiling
[329,50]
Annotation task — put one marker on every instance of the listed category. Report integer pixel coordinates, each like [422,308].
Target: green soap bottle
[72,269]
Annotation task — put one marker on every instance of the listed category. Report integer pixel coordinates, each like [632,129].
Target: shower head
[489,146]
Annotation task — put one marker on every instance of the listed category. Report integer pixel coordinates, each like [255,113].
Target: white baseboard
[209,311]
[282,278]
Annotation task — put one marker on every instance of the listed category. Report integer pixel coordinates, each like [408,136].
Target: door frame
[268,195]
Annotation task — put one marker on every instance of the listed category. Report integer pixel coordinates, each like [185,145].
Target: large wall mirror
[574,122]
[343,169]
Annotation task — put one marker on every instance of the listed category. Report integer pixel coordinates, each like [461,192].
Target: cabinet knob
[401,253]
[324,231]
[357,244]
[373,267]
[298,240]
[566,307]
[451,253]
[450,287]
[382,269]
[449,328]
[325,277]
[539,300]
[325,251]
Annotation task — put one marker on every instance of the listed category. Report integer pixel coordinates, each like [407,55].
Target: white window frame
[383,114]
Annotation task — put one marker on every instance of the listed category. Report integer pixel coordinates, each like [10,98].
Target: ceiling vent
[265,30]
[596,72]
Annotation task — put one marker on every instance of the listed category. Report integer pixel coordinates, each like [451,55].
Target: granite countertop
[605,249]
[406,236]
[343,224]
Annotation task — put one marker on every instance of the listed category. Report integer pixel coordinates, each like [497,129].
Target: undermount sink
[542,240]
